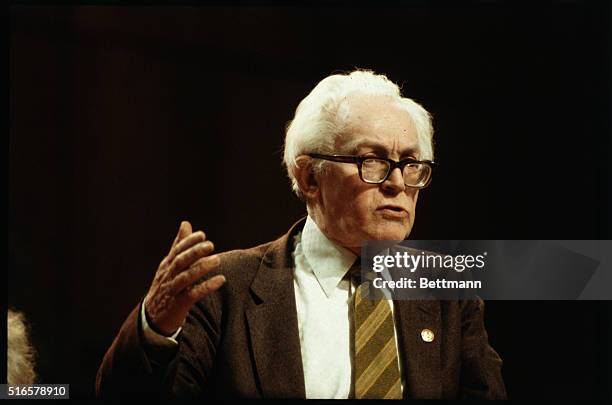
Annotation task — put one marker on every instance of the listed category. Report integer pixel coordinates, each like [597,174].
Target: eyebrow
[353,147]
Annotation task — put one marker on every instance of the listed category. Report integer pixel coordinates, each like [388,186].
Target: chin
[390,232]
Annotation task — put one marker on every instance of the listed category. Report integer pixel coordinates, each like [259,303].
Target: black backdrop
[126,120]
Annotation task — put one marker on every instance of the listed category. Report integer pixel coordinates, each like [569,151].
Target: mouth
[394,211]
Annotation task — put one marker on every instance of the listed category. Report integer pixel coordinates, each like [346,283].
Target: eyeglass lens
[375,171]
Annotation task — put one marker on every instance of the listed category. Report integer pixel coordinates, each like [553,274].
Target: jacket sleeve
[126,368]
[191,374]
[131,368]
[481,376]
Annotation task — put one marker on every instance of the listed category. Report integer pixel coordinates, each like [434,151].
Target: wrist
[151,324]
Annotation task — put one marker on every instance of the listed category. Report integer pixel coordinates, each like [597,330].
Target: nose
[395,182]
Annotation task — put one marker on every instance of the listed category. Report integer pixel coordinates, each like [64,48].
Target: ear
[305,177]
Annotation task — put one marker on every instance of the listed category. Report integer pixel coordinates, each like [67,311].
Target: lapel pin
[427,335]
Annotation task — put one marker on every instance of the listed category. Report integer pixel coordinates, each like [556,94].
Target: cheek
[346,196]
[362,214]
[352,209]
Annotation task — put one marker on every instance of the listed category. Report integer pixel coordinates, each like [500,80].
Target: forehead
[375,120]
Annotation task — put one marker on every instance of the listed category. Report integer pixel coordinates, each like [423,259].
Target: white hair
[316,123]
[20,354]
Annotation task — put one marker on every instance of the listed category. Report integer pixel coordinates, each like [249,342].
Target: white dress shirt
[323,298]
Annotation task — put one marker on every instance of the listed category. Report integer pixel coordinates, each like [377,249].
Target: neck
[317,216]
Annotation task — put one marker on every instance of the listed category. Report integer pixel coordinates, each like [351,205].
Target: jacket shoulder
[240,266]
[243,257]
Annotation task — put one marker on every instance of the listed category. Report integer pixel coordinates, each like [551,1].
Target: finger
[184,230]
[189,241]
[206,287]
[194,273]
[190,256]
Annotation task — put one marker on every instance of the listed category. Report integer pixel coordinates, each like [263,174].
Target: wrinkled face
[350,210]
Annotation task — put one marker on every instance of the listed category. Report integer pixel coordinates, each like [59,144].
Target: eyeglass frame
[393,164]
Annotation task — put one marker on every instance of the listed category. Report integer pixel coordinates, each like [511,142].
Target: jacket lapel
[273,325]
[420,359]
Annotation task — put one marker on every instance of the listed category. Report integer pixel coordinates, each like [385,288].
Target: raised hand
[174,289]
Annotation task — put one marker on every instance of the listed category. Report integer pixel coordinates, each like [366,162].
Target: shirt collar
[329,262]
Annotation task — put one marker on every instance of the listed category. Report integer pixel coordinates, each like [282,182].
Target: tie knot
[358,276]
[354,272]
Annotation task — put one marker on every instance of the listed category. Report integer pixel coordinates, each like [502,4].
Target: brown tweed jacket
[243,341]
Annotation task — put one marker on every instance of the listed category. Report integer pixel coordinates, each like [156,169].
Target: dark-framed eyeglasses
[375,170]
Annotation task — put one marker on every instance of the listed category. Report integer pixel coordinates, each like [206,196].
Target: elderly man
[285,319]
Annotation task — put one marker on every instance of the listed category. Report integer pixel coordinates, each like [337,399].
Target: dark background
[126,120]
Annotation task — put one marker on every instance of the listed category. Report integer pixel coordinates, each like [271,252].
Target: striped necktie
[376,372]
